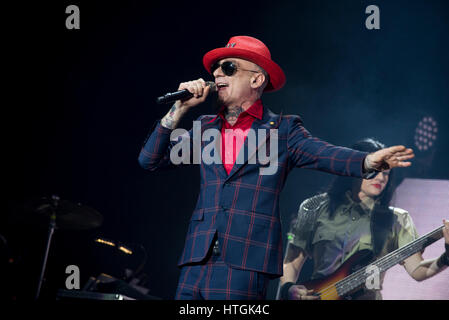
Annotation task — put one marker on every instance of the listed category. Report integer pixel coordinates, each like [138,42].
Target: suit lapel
[216,124]
[269,121]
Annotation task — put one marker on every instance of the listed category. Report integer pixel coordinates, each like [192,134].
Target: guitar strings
[382,262]
[344,283]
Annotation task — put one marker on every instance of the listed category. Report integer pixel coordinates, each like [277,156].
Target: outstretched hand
[389,158]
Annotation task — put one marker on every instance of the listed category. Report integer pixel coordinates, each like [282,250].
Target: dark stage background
[83,101]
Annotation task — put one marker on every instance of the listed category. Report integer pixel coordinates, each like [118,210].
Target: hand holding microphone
[188,90]
[189,94]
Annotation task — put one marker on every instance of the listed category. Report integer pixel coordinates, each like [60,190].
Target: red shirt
[232,139]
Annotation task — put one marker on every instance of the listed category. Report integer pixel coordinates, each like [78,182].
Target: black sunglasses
[229,68]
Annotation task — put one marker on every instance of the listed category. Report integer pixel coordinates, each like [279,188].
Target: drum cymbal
[69,215]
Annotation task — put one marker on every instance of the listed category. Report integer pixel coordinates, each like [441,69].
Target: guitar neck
[358,278]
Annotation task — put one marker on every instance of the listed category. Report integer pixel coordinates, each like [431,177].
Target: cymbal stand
[51,230]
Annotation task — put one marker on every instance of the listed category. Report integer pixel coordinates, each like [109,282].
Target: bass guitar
[351,277]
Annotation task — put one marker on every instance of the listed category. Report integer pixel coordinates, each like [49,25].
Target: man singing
[233,244]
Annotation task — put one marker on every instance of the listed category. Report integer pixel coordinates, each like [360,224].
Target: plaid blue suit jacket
[243,207]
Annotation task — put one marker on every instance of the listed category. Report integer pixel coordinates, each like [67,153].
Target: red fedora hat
[250,49]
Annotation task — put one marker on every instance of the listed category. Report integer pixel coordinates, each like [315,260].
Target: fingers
[299,292]
[295,292]
[401,165]
[395,149]
[310,296]
[405,153]
[199,85]
[395,156]
[195,87]
[199,90]
[402,158]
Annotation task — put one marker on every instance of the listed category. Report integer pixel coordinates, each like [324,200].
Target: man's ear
[257,80]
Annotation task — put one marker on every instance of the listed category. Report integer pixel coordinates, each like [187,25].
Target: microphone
[181,94]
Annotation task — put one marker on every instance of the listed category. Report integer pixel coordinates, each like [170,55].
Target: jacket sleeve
[157,149]
[306,151]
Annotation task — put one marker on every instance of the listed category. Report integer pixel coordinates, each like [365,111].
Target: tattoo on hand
[168,121]
[172,111]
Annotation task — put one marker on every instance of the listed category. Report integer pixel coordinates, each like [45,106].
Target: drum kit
[60,214]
